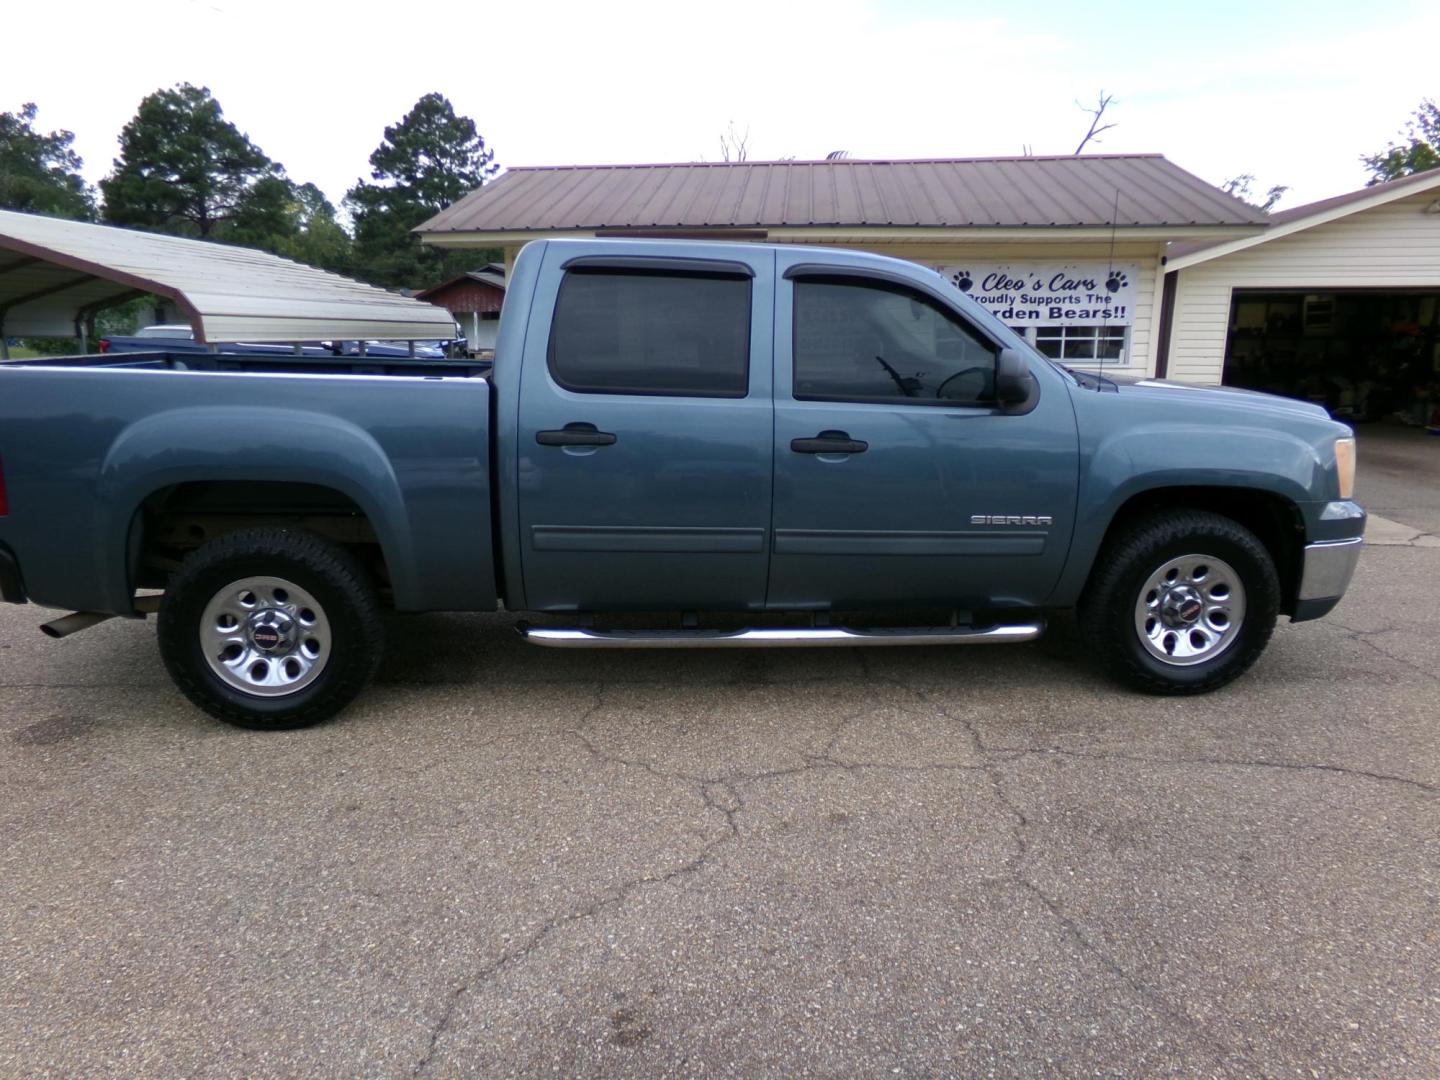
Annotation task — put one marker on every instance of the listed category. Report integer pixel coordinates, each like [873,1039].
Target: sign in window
[1050,294]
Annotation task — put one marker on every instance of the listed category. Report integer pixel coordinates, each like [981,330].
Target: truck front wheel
[1181,602]
[270,628]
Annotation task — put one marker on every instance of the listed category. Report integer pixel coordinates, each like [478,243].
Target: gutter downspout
[1167,321]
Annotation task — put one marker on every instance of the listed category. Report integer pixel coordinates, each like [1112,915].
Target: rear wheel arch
[173,520]
[212,445]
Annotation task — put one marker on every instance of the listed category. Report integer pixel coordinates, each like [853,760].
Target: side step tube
[558,638]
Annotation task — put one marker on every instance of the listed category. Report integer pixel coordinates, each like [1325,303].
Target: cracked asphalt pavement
[507,860]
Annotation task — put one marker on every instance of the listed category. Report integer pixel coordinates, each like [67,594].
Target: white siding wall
[1392,246]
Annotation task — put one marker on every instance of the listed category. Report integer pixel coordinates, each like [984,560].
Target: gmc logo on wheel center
[1011,519]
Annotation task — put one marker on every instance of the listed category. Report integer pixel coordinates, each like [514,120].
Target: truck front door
[898,479]
[645,430]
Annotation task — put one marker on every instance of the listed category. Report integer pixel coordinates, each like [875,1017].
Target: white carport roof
[53,272]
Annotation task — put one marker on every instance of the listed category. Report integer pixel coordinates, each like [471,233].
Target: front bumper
[1325,575]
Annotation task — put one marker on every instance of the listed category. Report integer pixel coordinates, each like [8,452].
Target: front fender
[1156,455]
[247,443]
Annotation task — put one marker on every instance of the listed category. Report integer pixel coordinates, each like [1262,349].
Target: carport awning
[54,272]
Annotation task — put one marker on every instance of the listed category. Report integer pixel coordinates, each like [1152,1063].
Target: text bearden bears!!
[1087,314]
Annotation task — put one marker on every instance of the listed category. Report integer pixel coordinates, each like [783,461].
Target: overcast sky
[1294,92]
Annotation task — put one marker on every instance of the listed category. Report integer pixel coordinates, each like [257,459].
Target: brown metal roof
[1323,210]
[1094,190]
[491,274]
[1420,181]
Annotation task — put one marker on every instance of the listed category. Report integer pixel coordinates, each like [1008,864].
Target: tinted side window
[872,341]
[623,332]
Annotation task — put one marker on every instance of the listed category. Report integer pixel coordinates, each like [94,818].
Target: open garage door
[1366,354]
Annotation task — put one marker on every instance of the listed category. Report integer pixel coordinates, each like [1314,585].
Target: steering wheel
[979,372]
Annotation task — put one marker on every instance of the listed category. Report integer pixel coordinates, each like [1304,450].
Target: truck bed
[96,453]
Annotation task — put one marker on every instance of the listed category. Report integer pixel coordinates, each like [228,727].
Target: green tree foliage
[39,172]
[1418,149]
[185,169]
[427,161]
[318,238]
[293,220]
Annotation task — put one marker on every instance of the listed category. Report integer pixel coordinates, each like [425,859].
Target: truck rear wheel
[270,628]
[1181,602]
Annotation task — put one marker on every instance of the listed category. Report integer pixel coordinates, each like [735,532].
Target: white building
[1338,301]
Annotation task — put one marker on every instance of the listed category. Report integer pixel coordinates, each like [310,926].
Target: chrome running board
[565,638]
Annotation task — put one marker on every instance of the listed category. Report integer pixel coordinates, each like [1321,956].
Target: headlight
[1345,466]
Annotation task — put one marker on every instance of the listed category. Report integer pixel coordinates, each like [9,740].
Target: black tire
[1108,609]
[326,572]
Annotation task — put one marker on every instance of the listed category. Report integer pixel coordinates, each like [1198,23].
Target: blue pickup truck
[811,444]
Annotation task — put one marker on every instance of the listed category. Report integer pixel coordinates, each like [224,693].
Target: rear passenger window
[628,332]
[873,341]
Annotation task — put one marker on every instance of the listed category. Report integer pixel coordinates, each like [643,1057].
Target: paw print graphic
[963,281]
[1116,281]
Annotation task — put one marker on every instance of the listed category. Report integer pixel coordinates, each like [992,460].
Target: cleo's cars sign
[1050,294]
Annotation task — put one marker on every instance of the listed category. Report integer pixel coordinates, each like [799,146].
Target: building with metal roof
[56,274]
[474,299]
[1068,250]
[1337,301]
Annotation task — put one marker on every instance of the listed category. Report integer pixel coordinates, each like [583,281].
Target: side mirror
[1015,388]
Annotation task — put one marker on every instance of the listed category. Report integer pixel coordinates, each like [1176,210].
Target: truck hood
[1177,392]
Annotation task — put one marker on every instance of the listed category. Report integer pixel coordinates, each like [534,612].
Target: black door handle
[576,434]
[829,442]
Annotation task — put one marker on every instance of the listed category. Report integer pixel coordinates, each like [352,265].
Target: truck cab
[772,430]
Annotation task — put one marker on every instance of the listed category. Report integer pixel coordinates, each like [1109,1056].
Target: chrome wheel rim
[1190,610]
[265,636]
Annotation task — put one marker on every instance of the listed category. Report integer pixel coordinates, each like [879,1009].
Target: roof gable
[491,276]
[1299,218]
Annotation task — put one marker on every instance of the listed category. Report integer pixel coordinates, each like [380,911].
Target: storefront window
[1084,344]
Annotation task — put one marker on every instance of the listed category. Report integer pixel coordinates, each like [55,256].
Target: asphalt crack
[994,758]
[614,898]
[721,793]
[716,795]
[1251,763]
[1364,638]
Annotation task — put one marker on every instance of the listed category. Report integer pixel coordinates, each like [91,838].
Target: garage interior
[1364,354]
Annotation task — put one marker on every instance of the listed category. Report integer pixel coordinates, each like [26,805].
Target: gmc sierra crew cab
[753,445]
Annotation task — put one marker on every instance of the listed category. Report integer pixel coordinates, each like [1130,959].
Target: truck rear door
[898,481]
[645,430]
